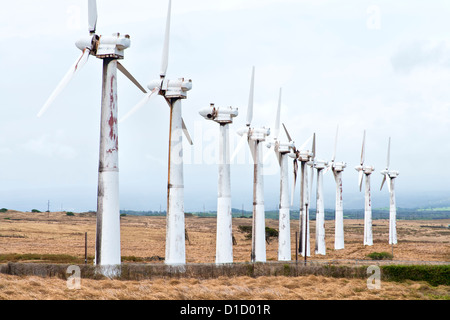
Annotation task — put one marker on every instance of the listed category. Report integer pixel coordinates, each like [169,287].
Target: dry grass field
[144,237]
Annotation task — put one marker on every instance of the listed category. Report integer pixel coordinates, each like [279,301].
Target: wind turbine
[366,171]
[110,49]
[304,156]
[255,137]
[338,169]
[282,151]
[224,237]
[320,166]
[173,91]
[390,176]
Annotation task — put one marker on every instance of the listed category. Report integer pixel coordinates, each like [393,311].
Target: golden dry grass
[56,233]
[237,288]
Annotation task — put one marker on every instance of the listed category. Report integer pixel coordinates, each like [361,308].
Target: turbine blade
[92,15]
[335,175]
[302,147]
[165,53]
[81,61]
[287,133]
[306,190]
[140,104]
[363,146]
[295,166]
[389,153]
[335,144]
[252,144]
[360,178]
[314,146]
[276,130]
[382,182]
[238,147]
[312,180]
[250,99]
[129,76]
[186,132]
[268,153]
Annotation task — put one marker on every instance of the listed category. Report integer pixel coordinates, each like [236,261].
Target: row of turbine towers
[110,49]
[285,149]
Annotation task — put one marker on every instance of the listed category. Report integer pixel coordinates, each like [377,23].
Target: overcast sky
[379,66]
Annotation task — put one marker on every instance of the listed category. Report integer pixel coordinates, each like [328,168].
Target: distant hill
[378,213]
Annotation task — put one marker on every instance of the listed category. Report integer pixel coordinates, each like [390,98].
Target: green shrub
[35,210]
[380,256]
[3,210]
[270,232]
[433,274]
[69,213]
[245,229]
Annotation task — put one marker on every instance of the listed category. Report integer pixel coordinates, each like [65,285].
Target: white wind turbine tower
[282,151]
[255,137]
[304,156]
[366,171]
[173,91]
[319,165]
[224,236]
[110,49]
[338,169]
[389,176]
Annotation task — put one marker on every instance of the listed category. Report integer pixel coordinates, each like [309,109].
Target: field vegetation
[55,237]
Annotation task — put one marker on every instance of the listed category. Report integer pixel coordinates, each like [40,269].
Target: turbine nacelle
[257,134]
[219,115]
[281,147]
[105,46]
[171,88]
[391,173]
[338,166]
[301,155]
[365,169]
[318,164]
